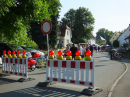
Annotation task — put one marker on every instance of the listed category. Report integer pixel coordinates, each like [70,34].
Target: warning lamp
[59,55]
[9,53]
[35,55]
[68,53]
[24,56]
[77,57]
[13,54]
[51,55]
[88,55]
[4,53]
[18,54]
[59,52]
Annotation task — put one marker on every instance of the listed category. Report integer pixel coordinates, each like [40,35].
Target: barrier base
[91,91]
[1,75]
[45,84]
[25,79]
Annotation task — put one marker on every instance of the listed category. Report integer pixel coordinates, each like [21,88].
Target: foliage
[81,23]
[82,40]
[16,14]
[40,38]
[125,45]
[99,42]
[105,34]
[116,43]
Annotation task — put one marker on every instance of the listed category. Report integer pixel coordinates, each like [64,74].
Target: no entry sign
[46,27]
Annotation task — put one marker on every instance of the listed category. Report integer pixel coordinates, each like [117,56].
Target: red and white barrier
[78,72]
[15,66]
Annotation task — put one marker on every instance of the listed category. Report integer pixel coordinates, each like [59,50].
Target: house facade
[122,38]
[64,36]
[114,37]
[92,40]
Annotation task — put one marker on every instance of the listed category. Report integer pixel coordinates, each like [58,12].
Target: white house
[64,36]
[123,36]
[92,40]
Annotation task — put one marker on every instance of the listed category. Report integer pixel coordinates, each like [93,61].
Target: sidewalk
[122,89]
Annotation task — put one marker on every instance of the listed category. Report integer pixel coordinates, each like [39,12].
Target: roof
[118,33]
[100,38]
[63,30]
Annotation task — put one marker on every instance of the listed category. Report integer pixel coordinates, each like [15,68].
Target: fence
[15,66]
[76,72]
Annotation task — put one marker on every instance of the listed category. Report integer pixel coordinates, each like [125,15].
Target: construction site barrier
[78,72]
[15,66]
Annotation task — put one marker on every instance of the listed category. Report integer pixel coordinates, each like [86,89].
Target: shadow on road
[6,81]
[42,92]
[99,65]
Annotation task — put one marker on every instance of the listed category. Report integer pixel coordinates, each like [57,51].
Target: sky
[113,15]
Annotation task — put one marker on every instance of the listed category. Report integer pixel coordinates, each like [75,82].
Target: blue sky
[113,15]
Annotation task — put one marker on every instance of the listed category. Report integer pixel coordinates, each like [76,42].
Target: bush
[56,48]
[116,43]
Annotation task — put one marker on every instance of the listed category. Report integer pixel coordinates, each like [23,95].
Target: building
[100,38]
[64,36]
[122,38]
[114,37]
[92,40]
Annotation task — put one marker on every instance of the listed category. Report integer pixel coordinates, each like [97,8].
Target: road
[106,72]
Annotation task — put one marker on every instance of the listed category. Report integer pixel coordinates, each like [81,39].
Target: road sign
[46,27]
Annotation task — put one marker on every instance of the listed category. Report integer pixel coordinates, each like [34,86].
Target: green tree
[106,34]
[99,42]
[16,15]
[116,43]
[81,23]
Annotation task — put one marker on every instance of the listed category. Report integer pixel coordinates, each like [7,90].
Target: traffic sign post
[46,27]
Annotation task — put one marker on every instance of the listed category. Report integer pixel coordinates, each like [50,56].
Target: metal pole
[47,46]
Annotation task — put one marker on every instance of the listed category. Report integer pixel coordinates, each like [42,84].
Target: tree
[81,23]
[105,34]
[116,43]
[99,42]
[16,15]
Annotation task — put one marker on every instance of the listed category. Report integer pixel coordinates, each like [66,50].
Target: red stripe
[81,82]
[3,71]
[72,64]
[48,78]
[55,63]
[24,74]
[15,73]
[64,64]
[20,61]
[6,60]
[91,65]
[72,81]
[20,73]
[25,61]
[16,61]
[82,65]
[90,83]
[63,80]
[6,71]
[3,60]
[11,72]
[48,63]
[54,79]
[11,60]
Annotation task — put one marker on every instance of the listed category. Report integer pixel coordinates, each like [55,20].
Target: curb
[112,88]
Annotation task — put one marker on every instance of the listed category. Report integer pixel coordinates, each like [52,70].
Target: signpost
[46,28]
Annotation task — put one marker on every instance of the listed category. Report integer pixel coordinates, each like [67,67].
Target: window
[67,33]
[59,33]
[67,41]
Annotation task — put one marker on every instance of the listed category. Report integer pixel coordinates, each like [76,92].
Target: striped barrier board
[15,66]
[78,72]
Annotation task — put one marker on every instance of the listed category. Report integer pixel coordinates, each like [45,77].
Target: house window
[62,41]
[67,33]
[59,33]
[113,38]
[67,41]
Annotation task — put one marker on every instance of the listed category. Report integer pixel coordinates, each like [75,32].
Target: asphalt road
[106,72]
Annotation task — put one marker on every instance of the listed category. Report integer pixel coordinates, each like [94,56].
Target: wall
[92,41]
[114,37]
[67,37]
[123,36]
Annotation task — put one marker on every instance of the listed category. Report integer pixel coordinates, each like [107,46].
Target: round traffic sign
[46,27]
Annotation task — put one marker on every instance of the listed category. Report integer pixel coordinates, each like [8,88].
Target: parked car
[32,50]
